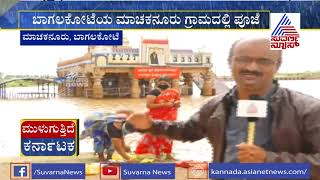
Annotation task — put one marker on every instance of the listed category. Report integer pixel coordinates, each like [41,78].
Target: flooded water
[14,110]
[310,87]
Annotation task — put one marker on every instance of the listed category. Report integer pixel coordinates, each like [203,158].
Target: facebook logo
[20,171]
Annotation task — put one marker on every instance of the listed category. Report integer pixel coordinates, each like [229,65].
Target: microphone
[252,122]
[252,109]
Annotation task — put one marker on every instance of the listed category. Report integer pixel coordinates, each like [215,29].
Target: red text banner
[156,72]
[48,129]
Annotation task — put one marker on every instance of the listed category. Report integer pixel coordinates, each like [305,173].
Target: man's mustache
[247,72]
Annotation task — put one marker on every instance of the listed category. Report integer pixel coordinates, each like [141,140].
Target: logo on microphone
[252,109]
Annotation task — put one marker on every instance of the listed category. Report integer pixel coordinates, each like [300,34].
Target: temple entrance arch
[116,84]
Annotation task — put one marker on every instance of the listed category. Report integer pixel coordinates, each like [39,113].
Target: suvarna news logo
[285,30]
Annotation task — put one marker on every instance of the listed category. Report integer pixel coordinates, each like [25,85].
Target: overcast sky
[42,60]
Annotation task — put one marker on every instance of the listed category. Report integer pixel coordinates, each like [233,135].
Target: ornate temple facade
[109,71]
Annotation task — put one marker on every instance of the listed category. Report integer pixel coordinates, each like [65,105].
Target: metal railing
[117,92]
[27,95]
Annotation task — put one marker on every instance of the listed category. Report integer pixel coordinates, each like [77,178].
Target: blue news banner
[77,171]
[167,171]
[58,171]
[148,171]
[241,19]
[222,171]
[259,170]
[10,19]
[71,37]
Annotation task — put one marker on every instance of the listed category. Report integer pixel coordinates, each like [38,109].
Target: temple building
[113,71]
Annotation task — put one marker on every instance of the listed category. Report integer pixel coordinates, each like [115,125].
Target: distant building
[109,70]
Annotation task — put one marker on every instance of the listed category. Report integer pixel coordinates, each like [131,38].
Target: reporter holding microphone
[254,112]
[287,131]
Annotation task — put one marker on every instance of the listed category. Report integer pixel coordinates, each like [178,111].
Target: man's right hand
[140,121]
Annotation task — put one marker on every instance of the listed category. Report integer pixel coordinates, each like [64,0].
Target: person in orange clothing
[163,103]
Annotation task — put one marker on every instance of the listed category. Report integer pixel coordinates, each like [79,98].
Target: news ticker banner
[144,19]
[68,37]
[49,137]
[9,18]
[162,171]
[285,30]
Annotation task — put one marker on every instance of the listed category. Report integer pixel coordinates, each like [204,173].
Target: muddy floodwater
[11,111]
